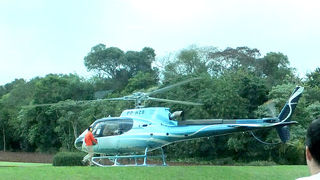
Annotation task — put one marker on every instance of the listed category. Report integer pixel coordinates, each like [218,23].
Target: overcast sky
[38,37]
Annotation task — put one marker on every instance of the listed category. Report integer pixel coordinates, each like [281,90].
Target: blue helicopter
[143,129]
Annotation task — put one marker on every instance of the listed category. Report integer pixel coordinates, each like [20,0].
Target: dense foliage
[68,159]
[235,83]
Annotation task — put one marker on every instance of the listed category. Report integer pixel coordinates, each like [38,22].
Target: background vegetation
[235,83]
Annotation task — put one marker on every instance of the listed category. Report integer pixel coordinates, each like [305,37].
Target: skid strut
[114,159]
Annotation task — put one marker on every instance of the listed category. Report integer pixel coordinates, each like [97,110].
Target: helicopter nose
[78,143]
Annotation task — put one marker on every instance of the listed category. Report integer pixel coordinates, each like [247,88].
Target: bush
[261,163]
[68,159]
[205,161]
[224,161]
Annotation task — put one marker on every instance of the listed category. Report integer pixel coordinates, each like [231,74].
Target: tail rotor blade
[271,106]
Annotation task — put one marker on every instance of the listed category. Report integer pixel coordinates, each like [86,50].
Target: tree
[251,88]
[54,88]
[140,81]
[68,121]
[19,93]
[274,67]
[24,125]
[3,125]
[139,61]
[233,59]
[36,129]
[105,61]
[118,67]
[190,61]
[314,110]
[313,78]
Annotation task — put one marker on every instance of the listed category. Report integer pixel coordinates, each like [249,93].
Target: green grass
[21,164]
[45,171]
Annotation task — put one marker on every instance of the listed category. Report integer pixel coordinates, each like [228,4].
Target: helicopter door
[106,134]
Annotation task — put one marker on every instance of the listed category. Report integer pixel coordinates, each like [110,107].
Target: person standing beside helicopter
[90,141]
[313,150]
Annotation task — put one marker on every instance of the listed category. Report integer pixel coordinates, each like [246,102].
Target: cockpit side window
[112,127]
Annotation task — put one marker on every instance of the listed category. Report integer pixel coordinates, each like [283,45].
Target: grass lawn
[46,171]
[21,164]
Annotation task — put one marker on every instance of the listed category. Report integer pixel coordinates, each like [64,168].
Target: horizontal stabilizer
[278,125]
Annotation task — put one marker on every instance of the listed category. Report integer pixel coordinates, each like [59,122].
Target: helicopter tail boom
[283,121]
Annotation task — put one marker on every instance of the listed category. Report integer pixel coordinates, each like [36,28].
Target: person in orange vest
[90,141]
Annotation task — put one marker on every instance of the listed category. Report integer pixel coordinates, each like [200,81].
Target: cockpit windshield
[111,127]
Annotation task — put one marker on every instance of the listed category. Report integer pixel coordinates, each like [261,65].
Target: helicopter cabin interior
[111,127]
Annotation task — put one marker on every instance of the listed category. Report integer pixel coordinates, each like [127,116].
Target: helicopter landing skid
[114,159]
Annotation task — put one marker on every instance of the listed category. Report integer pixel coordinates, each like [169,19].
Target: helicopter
[137,132]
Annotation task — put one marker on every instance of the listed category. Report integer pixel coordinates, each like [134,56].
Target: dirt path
[26,157]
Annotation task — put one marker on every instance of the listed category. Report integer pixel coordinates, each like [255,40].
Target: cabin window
[112,127]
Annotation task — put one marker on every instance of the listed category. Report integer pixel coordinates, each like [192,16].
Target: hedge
[68,159]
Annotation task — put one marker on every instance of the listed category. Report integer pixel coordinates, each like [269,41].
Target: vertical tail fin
[286,113]
[290,106]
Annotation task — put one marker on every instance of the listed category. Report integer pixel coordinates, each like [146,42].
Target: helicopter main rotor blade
[171,86]
[67,102]
[77,102]
[38,105]
[115,99]
[175,101]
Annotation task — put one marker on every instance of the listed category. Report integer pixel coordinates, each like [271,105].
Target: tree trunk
[4,139]
[75,129]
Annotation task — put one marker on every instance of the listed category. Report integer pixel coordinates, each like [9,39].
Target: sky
[39,37]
